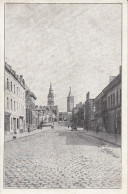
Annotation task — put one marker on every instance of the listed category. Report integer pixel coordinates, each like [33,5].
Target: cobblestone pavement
[60,158]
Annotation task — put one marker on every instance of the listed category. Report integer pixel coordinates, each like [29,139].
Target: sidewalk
[20,135]
[111,138]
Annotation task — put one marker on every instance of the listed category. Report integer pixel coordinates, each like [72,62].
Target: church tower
[70,101]
[50,96]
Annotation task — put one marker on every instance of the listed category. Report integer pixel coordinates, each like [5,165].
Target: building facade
[70,102]
[63,116]
[78,114]
[44,114]
[31,117]
[98,112]
[89,111]
[111,105]
[55,112]
[15,116]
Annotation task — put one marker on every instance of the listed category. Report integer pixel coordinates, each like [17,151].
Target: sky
[77,45]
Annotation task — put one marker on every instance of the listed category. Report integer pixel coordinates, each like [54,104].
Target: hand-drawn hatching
[63,73]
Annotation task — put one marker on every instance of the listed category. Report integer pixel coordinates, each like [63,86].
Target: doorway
[14,125]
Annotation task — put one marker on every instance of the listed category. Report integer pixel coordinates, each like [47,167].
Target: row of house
[19,104]
[103,112]
[21,113]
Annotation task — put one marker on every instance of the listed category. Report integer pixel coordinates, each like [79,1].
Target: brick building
[15,116]
[31,117]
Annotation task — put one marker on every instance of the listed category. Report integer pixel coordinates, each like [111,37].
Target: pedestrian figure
[97,129]
[28,128]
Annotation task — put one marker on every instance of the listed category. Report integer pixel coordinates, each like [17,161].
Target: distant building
[51,106]
[63,116]
[70,102]
[89,113]
[55,112]
[44,114]
[31,117]
[111,105]
[78,114]
[50,97]
[15,117]
[98,112]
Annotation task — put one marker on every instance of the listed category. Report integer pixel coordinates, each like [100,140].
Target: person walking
[97,129]
[28,128]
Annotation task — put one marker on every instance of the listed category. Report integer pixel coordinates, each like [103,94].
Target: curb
[23,136]
[103,140]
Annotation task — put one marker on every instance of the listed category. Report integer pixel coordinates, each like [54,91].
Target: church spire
[70,92]
[70,101]
[50,85]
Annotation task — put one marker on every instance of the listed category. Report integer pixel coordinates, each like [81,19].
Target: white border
[124,103]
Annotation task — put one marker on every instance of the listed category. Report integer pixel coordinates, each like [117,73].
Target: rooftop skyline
[65,44]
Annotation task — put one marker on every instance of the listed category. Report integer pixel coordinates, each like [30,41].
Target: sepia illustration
[63,96]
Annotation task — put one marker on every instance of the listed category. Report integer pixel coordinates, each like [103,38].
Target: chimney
[23,82]
[21,77]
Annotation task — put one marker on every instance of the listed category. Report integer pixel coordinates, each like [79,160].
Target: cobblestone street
[60,158]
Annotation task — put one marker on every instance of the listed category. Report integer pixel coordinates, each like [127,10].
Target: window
[7,84]
[7,103]
[11,123]
[108,102]
[11,104]
[17,91]
[117,98]
[17,123]
[14,88]
[11,86]
[26,115]
[14,106]
[113,99]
